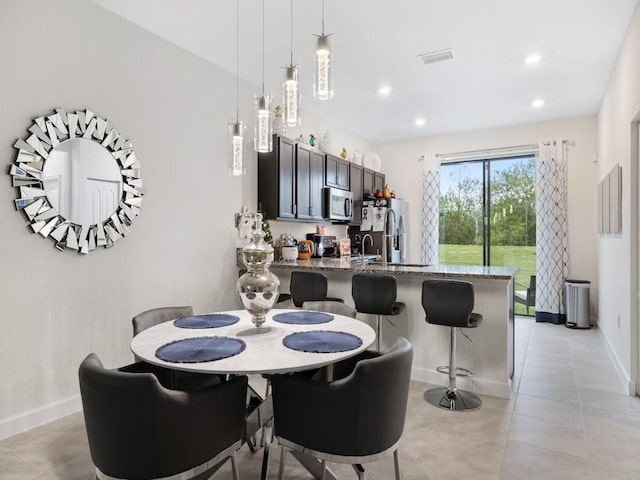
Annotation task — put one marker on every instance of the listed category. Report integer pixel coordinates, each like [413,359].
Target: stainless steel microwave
[338,204]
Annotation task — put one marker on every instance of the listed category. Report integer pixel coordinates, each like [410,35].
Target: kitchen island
[489,351]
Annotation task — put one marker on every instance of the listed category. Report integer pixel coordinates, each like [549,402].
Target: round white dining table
[264,353]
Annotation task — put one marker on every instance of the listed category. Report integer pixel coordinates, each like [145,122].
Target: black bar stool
[376,294]
[309,287]
[450,303]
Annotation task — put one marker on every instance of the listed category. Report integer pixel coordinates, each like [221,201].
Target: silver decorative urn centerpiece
[258,288]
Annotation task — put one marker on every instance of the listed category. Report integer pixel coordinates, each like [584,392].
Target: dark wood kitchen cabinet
[355,186]
[309,183]
[378,181]
[337,172]
[277,179]
[290,181]
[372,181]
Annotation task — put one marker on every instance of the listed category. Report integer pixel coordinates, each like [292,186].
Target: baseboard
[474,384]
[628,384]
[39,416]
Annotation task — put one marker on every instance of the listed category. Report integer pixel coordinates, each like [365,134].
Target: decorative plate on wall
[78,180]
[372,160]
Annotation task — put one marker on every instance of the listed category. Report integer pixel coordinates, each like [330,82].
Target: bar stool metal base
[460,372]
[456,400]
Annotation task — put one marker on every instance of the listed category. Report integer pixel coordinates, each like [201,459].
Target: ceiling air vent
[439,56]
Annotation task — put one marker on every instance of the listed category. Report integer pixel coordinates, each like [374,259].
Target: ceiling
[487,84]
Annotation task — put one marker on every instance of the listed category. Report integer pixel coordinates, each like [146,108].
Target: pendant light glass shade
[291,97]
[262,127]
[323,70]
[262,124]
[236,129]
[236,149]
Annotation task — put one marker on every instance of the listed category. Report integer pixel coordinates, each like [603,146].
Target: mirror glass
[77,180]
[82,181]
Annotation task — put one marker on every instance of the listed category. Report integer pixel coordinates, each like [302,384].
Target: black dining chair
[330,306]
[309,286]
[138,429]
[354,419]
[170,378]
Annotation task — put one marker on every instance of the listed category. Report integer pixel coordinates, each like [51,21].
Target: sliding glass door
[487,217]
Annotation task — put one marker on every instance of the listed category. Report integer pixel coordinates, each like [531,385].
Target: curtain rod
[498,151]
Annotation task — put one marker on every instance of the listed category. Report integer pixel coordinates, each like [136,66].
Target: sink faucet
[364,244]
[386,235]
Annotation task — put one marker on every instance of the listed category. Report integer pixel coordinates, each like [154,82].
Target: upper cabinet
[336,172]
[290,181]
[371,182]
[309,182]
[292,176]
[355,185]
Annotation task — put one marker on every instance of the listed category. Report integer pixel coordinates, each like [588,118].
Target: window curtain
[430,210]
[552,254]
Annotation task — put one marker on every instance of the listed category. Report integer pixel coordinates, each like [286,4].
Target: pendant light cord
[263,48]
[237,60]
[291,32]
[323,18]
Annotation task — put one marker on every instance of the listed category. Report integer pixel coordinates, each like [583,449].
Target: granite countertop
[451,271]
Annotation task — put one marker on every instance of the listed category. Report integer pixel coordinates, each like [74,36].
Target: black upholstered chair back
[360,415]
[307,286]
[138,429]
[330,306]
[448,302]
[155,316]
[374,293]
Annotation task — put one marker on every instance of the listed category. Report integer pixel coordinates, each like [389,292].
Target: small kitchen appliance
[305,249]
[338,205]
[324,245]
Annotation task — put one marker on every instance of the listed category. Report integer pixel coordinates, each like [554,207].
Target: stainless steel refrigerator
[396,228]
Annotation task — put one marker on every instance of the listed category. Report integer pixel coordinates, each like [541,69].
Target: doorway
[488,218]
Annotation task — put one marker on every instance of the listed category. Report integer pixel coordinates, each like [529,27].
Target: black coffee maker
[323,245]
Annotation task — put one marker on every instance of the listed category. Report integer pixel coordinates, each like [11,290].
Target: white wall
[618,290]
[404,175]
[59,306]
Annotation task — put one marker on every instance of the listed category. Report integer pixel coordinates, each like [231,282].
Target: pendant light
[323,66]
[236,130]
[291,97]
[262,130]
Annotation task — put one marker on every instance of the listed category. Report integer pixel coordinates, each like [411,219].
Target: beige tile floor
[569,418]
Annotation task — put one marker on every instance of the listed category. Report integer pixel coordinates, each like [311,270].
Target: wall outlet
[618,321]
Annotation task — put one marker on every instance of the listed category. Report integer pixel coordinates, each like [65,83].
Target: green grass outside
[501,256]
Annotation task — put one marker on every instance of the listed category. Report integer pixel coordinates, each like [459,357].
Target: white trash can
[576,297]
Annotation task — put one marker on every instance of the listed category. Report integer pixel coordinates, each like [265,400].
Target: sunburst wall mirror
[77,180]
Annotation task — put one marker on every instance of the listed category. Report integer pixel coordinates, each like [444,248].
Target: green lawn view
[507,256]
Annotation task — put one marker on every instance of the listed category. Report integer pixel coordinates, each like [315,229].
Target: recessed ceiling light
[384,90]
[533,59]
[420,122]
[537,103]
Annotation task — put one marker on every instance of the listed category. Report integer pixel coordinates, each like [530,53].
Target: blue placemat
[200,349]
[213,320]
[322,341]
[303,317]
